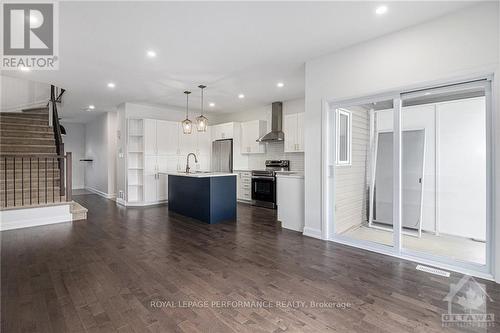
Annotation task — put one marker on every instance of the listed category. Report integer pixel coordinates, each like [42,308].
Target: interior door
[412,178]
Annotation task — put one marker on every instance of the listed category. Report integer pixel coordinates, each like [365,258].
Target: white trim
[102,194]
[312,232]
[139,204]
[32,217]
[397,164]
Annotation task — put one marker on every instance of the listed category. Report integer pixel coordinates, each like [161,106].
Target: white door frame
[328,189]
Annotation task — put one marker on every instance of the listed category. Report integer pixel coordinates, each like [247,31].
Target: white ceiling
[232,47]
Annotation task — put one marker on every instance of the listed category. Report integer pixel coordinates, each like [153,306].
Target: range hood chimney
[276,133]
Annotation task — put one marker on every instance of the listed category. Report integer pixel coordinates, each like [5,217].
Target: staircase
[29,167]
[34,171]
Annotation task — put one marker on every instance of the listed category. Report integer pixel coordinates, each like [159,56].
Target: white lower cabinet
[150,178]
[244,186]
[290,201]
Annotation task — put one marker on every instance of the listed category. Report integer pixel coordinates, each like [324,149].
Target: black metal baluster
[53,181]
[5,180]
[31,196]
[14,161]
[45,179]
[22,181]
[38,179]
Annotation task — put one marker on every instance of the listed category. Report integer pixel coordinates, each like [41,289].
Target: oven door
[264,189]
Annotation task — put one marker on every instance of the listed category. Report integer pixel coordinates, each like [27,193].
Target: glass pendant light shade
[187,125]
[201,121]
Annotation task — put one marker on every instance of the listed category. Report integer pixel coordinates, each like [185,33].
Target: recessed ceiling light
[280,84]
[24,68]
[381,10]
[111,85]
[91,107]
[240,96]
[151,54]
[211,104]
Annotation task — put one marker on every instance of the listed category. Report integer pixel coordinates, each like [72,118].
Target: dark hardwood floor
[136,269]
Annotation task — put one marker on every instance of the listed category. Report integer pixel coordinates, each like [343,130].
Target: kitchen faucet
[187,161]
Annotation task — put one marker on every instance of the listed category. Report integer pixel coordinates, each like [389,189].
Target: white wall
[461,44]
[17,94]
[74,142]
[100,145]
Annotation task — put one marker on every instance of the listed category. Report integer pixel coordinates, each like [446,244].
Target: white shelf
[135,152]
[134,168]
[135,185]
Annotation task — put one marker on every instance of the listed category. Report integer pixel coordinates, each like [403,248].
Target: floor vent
[433,270]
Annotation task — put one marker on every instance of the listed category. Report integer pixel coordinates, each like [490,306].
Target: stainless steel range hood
[276,133]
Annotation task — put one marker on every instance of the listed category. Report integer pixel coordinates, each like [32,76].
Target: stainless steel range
[264,183]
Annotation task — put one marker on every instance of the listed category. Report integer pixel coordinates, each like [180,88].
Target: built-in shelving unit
[135,160]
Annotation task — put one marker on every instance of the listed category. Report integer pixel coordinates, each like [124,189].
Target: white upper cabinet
[167,137]
[187,141]
[250,132]
[293,127]
[204,142]
[222,131]
[150,147]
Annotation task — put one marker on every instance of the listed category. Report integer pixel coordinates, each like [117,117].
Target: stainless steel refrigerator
[222,155]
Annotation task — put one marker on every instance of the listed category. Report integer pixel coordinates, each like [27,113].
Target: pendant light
[186,123]
[201,121]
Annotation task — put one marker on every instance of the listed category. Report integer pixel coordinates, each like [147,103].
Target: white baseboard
[311,232]
[32,217]
[102,194]
[139,204]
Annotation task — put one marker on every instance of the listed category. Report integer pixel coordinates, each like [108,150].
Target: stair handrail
[57,130]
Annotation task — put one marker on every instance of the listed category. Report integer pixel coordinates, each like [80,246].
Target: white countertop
[290,174]
[199,174]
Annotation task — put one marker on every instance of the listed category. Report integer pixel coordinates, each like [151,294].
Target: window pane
[444,174]
[343,144]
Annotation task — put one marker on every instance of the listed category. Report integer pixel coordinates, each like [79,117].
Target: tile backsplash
[275,151]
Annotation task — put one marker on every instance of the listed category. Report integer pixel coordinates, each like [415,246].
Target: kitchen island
[206,196]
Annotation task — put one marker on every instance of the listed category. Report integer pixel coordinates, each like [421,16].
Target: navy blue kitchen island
[208,197]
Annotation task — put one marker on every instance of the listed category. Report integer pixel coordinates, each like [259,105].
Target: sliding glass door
[410,174]
[444,189]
